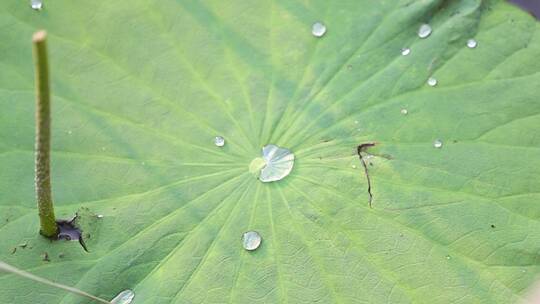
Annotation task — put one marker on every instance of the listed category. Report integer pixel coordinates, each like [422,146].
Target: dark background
[532,6]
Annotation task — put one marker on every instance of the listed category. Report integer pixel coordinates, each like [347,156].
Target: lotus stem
[47,219]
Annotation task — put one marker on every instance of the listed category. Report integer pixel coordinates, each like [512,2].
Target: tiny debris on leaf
[45,257]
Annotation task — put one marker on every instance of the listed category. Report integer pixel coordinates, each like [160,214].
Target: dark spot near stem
[45,257]
[492,226]
[69,232]
[359,150]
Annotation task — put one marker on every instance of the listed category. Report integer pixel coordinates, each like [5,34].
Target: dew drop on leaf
[437,143]
[405,51]
[432,81]
[219,141]
[318,29]
[404,111]
[36,4]
[279,163]
[471,43]
[251,240]
[424,31]
[125,297]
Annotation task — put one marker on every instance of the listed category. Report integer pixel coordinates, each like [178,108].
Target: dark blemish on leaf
[13,250]
[69,232]
[45,257]
[492,226]
[362,149]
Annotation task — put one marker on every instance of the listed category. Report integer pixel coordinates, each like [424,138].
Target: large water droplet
[405,51]
[432,81]
[437,144]
[36,4]
[219,141]
[279,163]
[125,297]
[424,31]
[471,43]
[251,240]
[318,29]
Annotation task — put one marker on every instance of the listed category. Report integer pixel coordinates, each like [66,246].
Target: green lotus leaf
[141,89]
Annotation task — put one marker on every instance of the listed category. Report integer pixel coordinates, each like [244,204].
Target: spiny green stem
[8,268]
[43,137]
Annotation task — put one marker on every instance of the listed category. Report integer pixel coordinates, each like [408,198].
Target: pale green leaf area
[142,87]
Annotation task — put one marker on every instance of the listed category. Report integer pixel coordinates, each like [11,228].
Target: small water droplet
[99,216]
[251,240]
[125,297]
[69,132]
[353,166]
[471,43]
[318,29]
[437,143]
[432,81]
[356,122]
[103,148]
[36,4]
[404,111]
[424,31]
[448,257]
[143,163]
[219,141]
[405,51]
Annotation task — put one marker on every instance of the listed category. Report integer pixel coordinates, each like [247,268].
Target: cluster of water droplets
[424,31]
